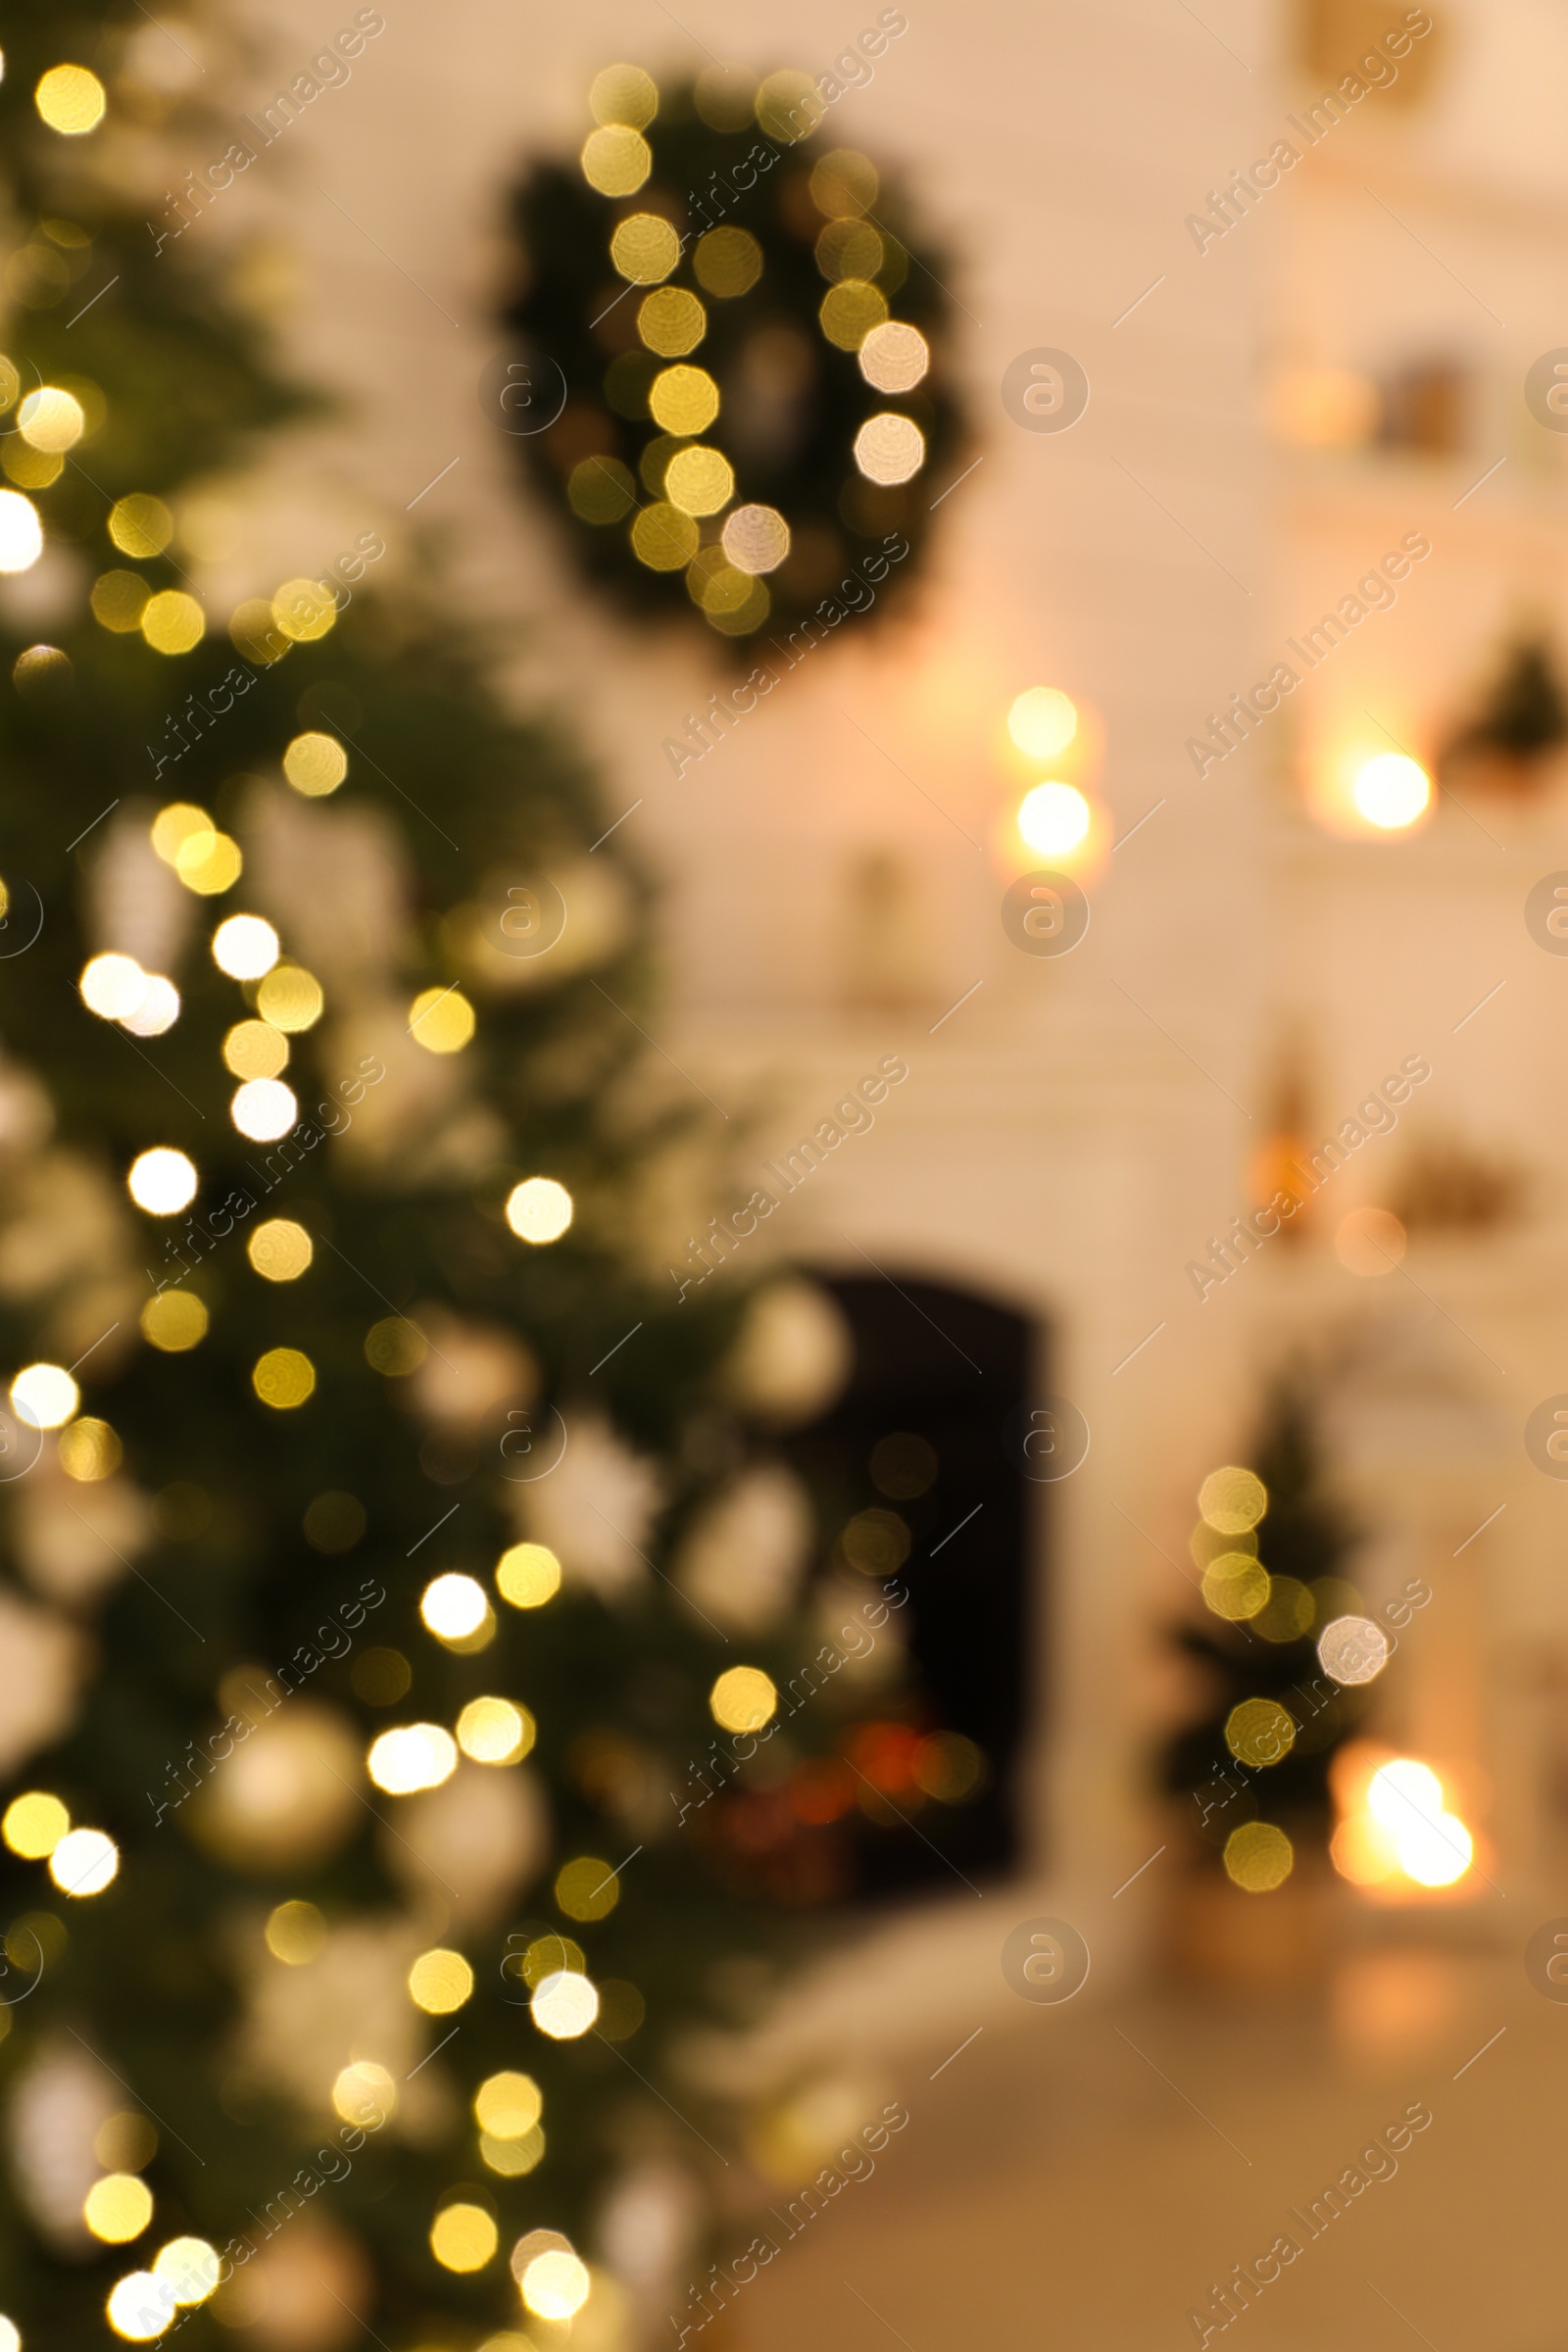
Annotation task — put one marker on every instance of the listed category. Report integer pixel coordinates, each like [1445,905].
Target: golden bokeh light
[315,764]
[210,863]
[1236,1585]
[555,2285]
[174,1321]
[20,532]
[112,986]
[844,185]
[304,610]
[699,480]
[671,321]
[1287,1612]
[255,1048]
[889,448]
[70,100]
[728,261]
[44,1395]
[508,2105]
[179,824]
[284,1378]
[453,1607]
[1259,1857]
[190,2268]
[600,490]
[788,106]
[412,1757]
[623,94]
[140,2307]
[441,1020]
[158,1010]
[644,248]
[565,2005]
[296,1933]
[847,313]
[264,1108]
[365,2095]
[733,600]
[464,2237]
[118,2208]
[1043,721]
[50,419]
[440,1981]
[1353,1651]
[1392,792]
[513,2159]
[279,1249]
[1432,1846]
[118,600]
[1054,819]
[683,400]
[615,159]
[664,538]
[539,1209]
[89,1449]
[290,998]
[848,249]
[587,1889]
[84,1862]
[245,947]
[1259,1732]
[172,621]
[1233,1499]
[29,469]
[162,1182]
[755,539]
[140,526]
[34,1824]
[527,1575]
[395,1347]
[742,1698]
[894,358]
[494,1731]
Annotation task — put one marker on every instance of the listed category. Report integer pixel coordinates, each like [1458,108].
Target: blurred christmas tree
[1253,1768]
[1522,716]
[350,1922]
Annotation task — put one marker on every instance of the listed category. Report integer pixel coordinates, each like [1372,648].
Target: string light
[84,1862]
[1392,792]
[539,1211]
[20,532]
[44,1395]
[414,1756]
[245,947]
[1053,818]
[162,1182]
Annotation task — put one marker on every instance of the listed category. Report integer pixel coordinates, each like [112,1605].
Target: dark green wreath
[769,219]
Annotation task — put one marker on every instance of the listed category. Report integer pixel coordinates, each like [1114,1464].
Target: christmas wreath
[730,366]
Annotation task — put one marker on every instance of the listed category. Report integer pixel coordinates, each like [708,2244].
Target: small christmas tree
[1270,1546]
[352,1927]
[1523,715]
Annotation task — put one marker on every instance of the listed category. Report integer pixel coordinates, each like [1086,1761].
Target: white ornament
[593,1508]
[475,1844]
[794,1354]
[741,1565]
[41,1664]
[57,2110]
